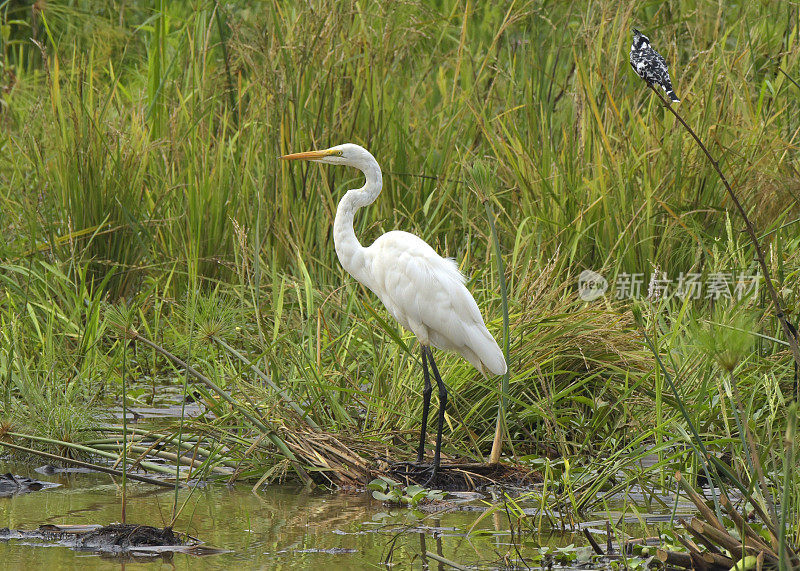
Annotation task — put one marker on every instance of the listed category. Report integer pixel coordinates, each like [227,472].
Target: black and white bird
[649,64]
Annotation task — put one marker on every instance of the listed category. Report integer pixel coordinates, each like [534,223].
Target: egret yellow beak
[311,155]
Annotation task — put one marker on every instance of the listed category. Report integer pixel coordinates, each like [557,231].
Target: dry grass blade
[751,538]
[327,453]
[699,502]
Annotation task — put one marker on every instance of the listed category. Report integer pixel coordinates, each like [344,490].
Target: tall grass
[138,150]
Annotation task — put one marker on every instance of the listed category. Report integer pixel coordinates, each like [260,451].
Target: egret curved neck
[348,249]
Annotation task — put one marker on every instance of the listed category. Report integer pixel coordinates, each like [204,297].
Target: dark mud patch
[464,477]
[126,536]
[11,485]
[115,540]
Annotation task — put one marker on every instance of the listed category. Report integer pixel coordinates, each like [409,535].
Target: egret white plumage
[423,291]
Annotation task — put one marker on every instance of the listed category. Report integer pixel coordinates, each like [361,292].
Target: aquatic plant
[393,492]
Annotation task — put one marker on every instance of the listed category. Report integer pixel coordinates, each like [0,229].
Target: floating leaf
[378,484]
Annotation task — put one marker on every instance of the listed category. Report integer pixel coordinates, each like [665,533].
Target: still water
[279,527]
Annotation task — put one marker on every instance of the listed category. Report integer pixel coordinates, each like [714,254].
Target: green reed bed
[138,169]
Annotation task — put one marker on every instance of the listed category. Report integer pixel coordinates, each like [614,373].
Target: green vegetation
[392,492]
[145,216]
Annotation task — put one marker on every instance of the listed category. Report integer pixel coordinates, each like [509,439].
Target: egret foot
[420,473]
[432,478]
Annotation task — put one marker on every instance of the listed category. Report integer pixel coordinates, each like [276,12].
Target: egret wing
[427,295]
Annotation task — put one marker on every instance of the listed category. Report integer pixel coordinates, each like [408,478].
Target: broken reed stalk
[271,434]
[500,427]
[595,546]
[643,548]
[751,232]
[717,561]
[675,558]
[745,531]
[744,551]
[716,536]
[442,560]
[710,537]
[699,502]
[697,561]
[699,539]
[87,465]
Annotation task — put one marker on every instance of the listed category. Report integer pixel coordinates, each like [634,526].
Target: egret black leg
[426,404]
[442,406]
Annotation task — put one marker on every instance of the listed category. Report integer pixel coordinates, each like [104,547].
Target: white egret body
[423,291]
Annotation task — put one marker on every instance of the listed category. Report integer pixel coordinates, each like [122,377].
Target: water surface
[279,527]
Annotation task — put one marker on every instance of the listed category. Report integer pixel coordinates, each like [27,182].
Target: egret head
[347,154]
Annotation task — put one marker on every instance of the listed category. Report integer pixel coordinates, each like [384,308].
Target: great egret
[424,292]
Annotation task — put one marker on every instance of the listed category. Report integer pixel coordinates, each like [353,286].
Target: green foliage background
[138,165]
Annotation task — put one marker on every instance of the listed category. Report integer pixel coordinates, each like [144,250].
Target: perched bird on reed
[650,65]
[423,291]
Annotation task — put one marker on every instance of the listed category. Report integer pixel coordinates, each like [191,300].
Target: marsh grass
[138,150]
